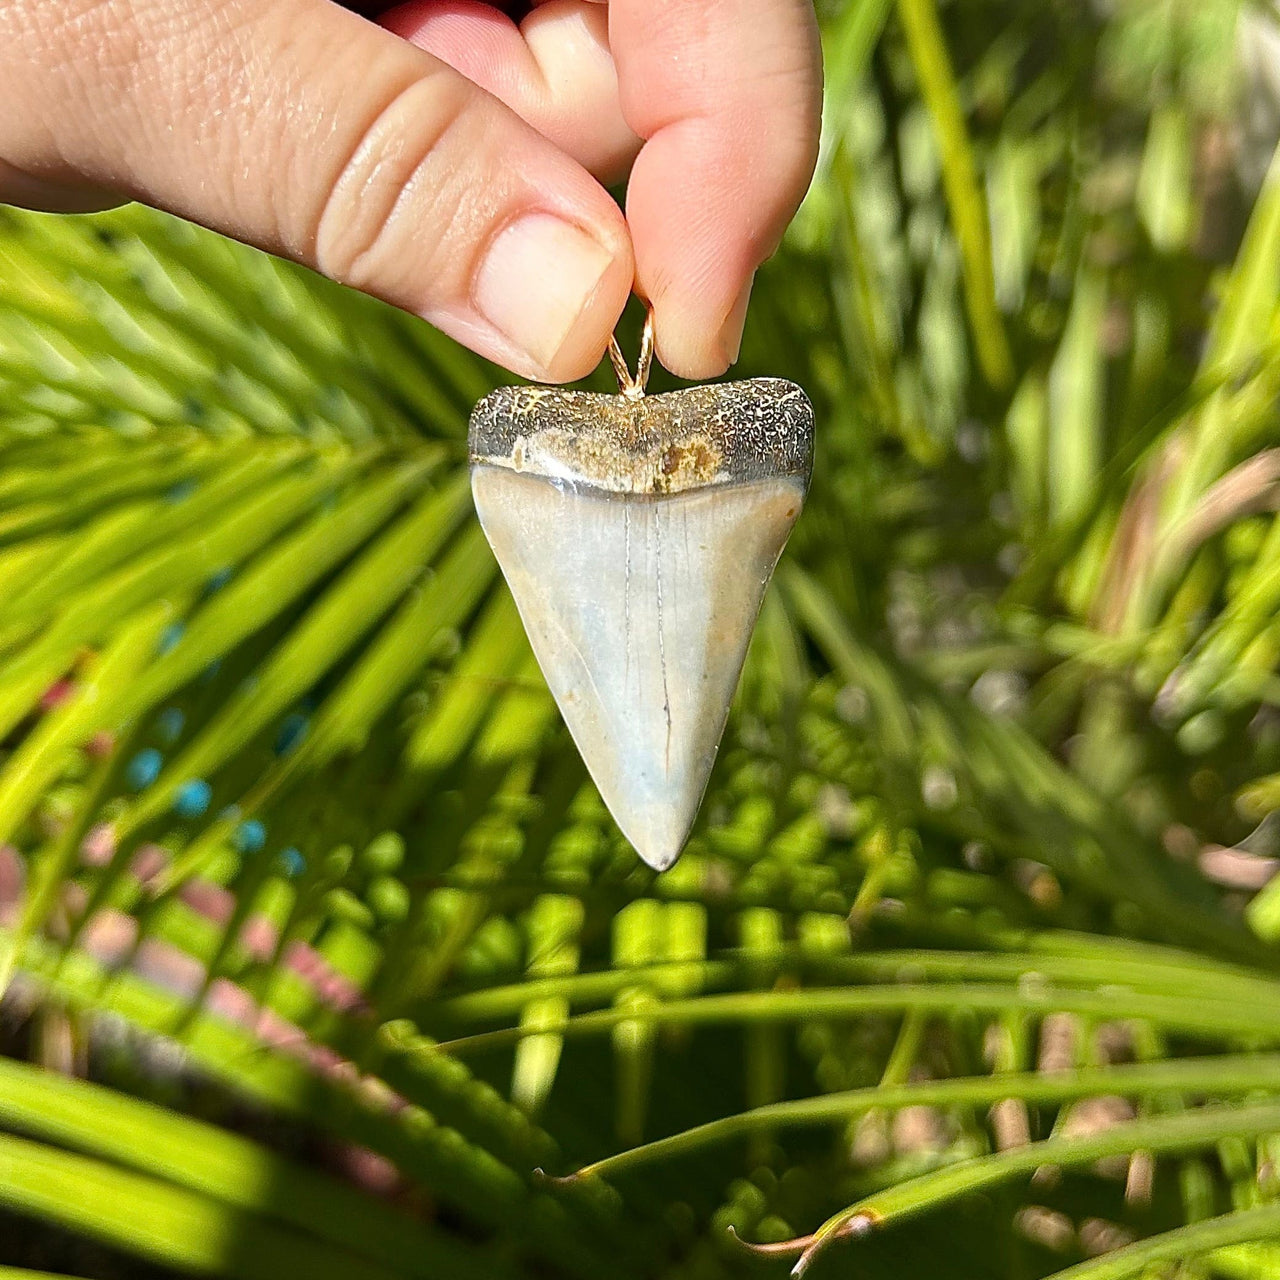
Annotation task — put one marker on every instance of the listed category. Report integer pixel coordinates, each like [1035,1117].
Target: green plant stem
[1259,1223]
[21,1273]
[1199,1015]
[168,1224]
[1159,1135]
[959,176]
[1220,1076]
[225,1167]
[1100,961]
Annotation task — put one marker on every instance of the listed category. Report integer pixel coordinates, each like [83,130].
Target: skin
[445,158]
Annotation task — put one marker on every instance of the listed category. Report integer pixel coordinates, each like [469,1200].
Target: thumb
[303,129]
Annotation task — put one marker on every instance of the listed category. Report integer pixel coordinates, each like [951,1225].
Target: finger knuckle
[395,191]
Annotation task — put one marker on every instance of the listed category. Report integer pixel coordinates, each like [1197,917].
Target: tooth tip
[657,826]
[660,857]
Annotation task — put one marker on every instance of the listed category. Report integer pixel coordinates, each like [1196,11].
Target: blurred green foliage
[325,957]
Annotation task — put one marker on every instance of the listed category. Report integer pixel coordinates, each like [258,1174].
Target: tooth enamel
[638,538]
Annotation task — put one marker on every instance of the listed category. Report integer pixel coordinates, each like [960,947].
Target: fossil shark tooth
[638,535]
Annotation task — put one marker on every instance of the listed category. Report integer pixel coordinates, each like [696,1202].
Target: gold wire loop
[629,386]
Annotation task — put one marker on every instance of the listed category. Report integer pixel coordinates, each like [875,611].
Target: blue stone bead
[193,798]
[292,863]
[143,769]
[170,724]
[250,836]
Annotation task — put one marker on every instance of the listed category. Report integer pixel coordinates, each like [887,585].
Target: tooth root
[640,611]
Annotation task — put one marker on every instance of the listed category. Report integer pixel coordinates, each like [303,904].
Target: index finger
[728,96]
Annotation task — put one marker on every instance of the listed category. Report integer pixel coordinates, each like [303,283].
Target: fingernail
[536,279]
[735,322]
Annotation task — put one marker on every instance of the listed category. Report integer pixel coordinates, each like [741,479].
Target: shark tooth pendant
[637,535]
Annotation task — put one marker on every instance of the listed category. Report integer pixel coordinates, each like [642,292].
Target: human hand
[449,161]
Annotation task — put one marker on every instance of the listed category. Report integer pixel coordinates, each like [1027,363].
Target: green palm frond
[285,803]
